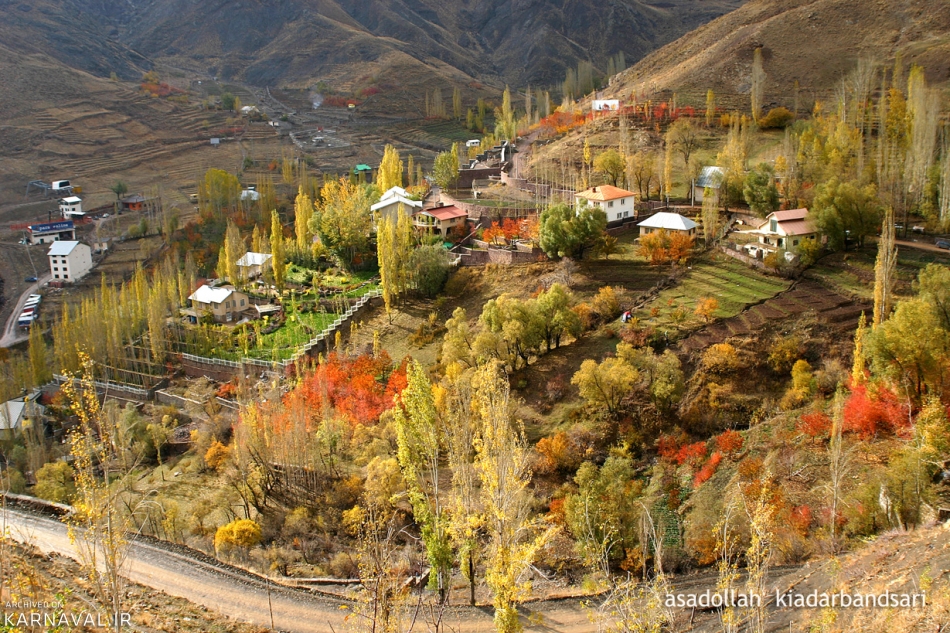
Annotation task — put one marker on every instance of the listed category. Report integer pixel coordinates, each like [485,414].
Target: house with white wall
[617,203]
[69,260]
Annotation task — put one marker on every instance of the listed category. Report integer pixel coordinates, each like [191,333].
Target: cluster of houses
[440,218]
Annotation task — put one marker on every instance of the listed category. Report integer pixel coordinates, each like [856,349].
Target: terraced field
[831,307]
[732,284]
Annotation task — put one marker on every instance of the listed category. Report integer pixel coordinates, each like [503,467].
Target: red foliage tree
[708,470]
[359,389]
[492,233]
[511,228]
[869,414]
[815,424]
[729,443]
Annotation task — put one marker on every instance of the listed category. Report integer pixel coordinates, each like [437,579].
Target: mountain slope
[815,42]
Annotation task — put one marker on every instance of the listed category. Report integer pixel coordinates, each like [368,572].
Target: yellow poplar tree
[303,211]
[390,170]
[277,249]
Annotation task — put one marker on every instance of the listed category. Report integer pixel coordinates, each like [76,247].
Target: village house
[135,202]
[388,205]
[69,260]
[617,203]
[221,304]
[439,219]
[19,413]
[669,222]
[786,229]
[71,207]
[709,178]
[252,264]
[51,232]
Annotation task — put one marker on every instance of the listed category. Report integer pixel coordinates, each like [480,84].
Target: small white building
[617,203]
[252,264]
[71,207]
[69,260]
[19,412]
[388,205]
[709,178]
[669,222]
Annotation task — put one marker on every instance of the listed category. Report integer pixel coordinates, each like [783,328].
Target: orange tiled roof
[605,192]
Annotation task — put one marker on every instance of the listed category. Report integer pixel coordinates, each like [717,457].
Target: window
[773,225]
[610,204]
[623,201]
[794,242]
[56,276]
[55,269]
[242,303]
[65,276]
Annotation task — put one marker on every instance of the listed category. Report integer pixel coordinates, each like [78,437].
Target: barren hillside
[814,42]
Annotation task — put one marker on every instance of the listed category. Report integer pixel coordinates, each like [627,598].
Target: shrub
[607,303]
[729,442]
[815,424]
[801,518]
[708,470]
[705,308]
[785,351]
[54,482]
[776,118]
[555,454]
[585,313]
[869,414]
[216,455]
[721,358]
[555,388]
[242,533]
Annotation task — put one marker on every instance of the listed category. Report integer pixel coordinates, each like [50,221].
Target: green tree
[610,164]
[429,267]
[227,101]
[419,438]
[845,210]
[607,383]
[55,482]
[759,190]
[553,314]
[445,170]
[39,357]
[119,188]
[565,232]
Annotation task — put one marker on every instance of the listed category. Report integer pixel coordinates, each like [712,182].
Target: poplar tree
[419,437]
[457,103]
[885,269]
[234,249]
[390,169]
[758,84]
[277,249]
[303,211]
[39,363]
[502,460]
[710,107]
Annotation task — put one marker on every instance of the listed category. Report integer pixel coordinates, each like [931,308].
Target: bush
[729,443]
[242,533]
[870,414]
[815,424]
[216,455]
[607,303]
[776,118]
[720,358]
[54,482]
[809,250]
[785,351]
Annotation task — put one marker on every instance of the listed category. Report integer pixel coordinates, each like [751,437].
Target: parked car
[30,280]
[943,244]
[917,228]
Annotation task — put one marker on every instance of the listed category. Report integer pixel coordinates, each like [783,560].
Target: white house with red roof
[439,219]
[617,203]
[786,229]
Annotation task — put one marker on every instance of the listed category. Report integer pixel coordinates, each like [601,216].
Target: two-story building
[69,260]
[439,219]
[388,205]
[222,304]
[71,207]
[617,203]
[786,229]
[51,232]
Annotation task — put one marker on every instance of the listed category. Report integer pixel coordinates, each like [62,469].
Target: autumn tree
[710,107]
[641,168]
[445,170]
[505,125]
[343,221]
[705,307]
[217,191]
[420,440]
[757,92]
[683,137]
[606,383]
[502,463]
[394,253]
[456,104]
[390,170]
[885,270]
[844,211]
[664,247]
[611,165]
[277,260]
[39,357]
[303,211]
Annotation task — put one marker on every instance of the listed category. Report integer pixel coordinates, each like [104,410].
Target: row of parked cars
[30,311]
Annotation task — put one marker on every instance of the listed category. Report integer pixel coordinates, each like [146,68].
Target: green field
[733,284]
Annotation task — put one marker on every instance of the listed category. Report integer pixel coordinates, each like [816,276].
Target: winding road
[11,336]
[245,598]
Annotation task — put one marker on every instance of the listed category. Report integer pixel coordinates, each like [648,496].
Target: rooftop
[62,247]
[604,192]
[710,177]
[253,259]
[668,221]
[788,214]
[444,213]
[207,294]
[72,200]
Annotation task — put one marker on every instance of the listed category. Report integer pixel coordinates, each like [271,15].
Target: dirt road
[247,599]
[11,333]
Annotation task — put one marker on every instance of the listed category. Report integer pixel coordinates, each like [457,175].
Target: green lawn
[731,283]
